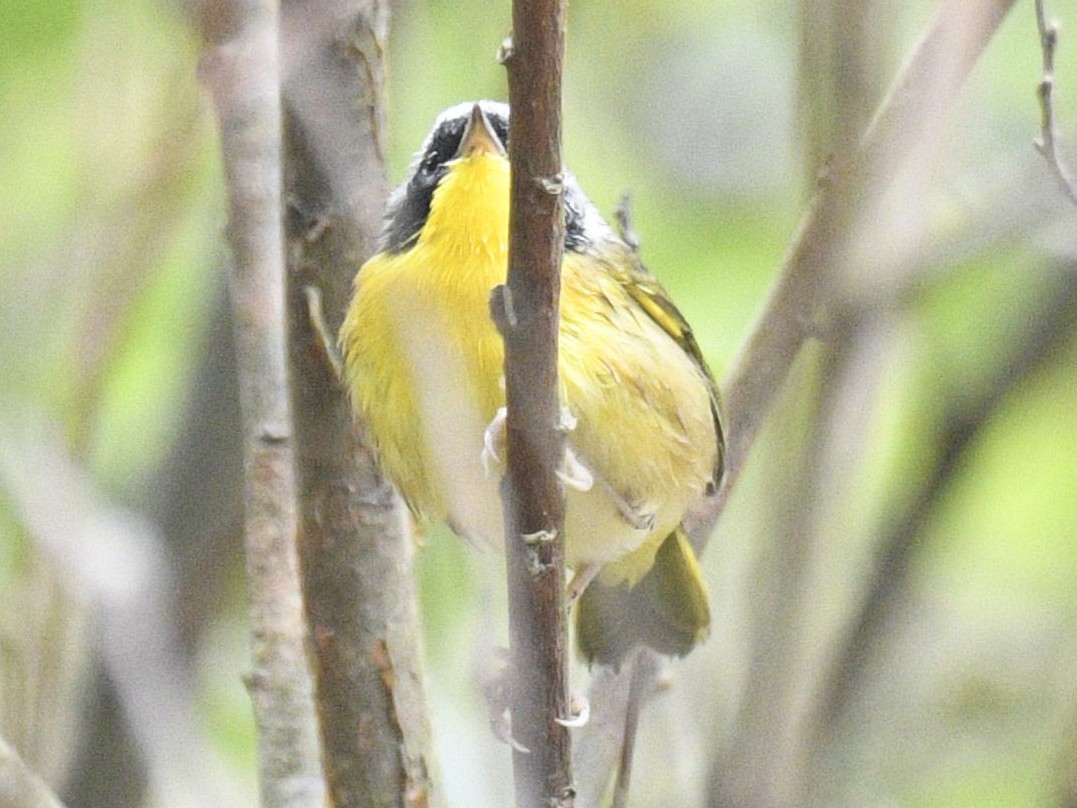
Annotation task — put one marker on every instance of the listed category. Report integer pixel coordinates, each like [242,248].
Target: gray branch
[240,67]
[802,300]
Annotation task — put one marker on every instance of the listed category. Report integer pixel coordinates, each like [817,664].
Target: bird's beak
[479,136]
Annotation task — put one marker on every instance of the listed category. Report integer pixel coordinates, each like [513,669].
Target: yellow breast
[423,357]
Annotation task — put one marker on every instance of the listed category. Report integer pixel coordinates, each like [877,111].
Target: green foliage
[110,263]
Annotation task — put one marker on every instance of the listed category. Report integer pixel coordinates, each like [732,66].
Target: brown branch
[355,543]
[1047,142]
[20,787]
[526,311]
[240,67]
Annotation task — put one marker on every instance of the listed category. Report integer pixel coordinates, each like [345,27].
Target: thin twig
[643,665]
[533,499]
[625,230]
[240,67]
[597,746]
[1047,142]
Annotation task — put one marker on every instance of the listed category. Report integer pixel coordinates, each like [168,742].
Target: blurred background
[122,607]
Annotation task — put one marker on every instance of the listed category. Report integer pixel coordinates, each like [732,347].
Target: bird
[423,366]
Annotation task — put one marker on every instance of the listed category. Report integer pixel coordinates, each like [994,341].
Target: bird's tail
[667,609]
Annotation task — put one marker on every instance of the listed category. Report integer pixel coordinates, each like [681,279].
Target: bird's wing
[644,288]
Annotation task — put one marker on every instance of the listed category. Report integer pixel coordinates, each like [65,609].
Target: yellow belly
[425,368]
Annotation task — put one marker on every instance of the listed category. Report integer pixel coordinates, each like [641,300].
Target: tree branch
[240,67]
[645,667]
[918,101]
[526,311]
[355,543]
[1047,142]
[1053,320]
[799,303]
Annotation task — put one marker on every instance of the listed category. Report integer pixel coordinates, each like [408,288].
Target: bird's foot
[634,516]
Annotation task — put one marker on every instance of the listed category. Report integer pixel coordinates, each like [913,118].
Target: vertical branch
[526,311]
[241,69]
[840,75]
[355,545]
[645,668]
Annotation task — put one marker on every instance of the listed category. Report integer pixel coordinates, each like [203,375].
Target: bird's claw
[495,687]
[502,727]
[581,712]
[575,474]
[493,441]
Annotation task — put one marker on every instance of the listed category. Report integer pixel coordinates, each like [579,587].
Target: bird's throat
[469,216]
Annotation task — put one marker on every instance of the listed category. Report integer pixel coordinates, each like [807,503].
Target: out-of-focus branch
[841,80]
[1047,142]
[20,787]
[800,303]
[1052,320]
[526,312]
[645,667]
[605,745]
[599,744]
[841,75]
[812,298]
[356,546]
[117,561]
[1065,767]
[918,101]
[240,67]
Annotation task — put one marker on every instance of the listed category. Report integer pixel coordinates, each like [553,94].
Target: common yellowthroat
[423,362]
